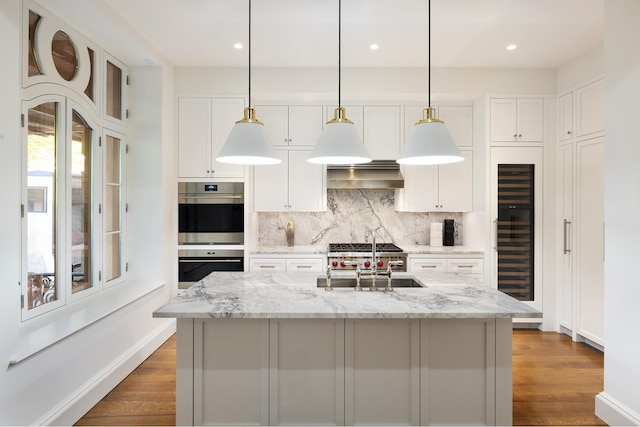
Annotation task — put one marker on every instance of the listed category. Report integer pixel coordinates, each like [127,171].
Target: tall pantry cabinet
[581,204]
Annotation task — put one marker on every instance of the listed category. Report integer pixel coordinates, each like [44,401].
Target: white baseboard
[614,413]
[79,403]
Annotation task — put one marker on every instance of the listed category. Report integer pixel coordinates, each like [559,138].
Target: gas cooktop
[363,247]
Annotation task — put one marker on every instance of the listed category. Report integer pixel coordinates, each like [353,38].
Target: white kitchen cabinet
[458,119]
[446,188]
[306,373]
[288,263]
[291,125]
[203,127]
[565,110]
[566,190]
[590,103]
[473,265]
[382,372]
[378,125]
[517,120]
[293,185]
[589,257]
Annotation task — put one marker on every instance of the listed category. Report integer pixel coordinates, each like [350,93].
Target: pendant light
[247,143]
[430,142]
[339,143]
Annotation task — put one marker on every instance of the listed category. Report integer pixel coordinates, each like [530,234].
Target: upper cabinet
[445,188]
[517,120]
[378,125]
[565,110]
[590,109]
[203,127]
[293,185]
[458,120]
[294,125]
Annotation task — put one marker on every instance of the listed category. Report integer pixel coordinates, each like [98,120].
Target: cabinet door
[307,183]
[455,185]
[503,120]
[590,239]
[313,265]
[590,109]
[530,123]
[267,264]
[420,192]
[458,378]
[194,137]
[567,223]
[230,378]
[306,372]
[566,117]
[225,113]
[382,372]
[421,265]
[305,124]
[276,122]
[382,131]
[459,121]
[271,185]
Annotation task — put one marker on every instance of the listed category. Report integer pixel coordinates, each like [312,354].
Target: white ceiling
[304,33]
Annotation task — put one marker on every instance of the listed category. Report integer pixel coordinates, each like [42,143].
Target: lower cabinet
[311,264]
[344,372]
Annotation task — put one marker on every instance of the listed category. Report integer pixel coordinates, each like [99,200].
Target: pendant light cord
[249,53]
[339,49]
[429,56]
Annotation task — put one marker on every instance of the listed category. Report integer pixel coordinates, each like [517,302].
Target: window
[74,181]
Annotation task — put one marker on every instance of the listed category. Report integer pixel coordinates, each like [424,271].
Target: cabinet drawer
[464,265]
[264,264]
[421,265]
[305,264]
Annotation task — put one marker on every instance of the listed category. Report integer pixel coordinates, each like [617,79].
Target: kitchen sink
[381,282]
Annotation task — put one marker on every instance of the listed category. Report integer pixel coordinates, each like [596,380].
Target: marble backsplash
[349,214]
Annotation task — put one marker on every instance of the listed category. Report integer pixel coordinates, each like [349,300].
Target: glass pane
[114,91]
[112,208]
[41,220]
[89,90]
[112,148]
[34,67]
[112,267]
[64,55]
[515,230]
[81,197]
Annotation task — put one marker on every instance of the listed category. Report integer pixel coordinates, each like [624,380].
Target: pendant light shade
[247,143]
[339,143]
[430,142]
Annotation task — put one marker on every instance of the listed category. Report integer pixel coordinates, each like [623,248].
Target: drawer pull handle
[429,266]
[267,266]
[303,266]
[465,266]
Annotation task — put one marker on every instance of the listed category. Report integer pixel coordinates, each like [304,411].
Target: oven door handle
[208,260]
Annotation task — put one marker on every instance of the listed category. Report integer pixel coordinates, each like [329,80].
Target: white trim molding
[614,412]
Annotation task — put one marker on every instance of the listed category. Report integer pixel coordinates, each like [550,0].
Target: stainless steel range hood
[377,174]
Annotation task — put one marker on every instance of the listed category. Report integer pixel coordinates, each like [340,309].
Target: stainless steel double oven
[209,214]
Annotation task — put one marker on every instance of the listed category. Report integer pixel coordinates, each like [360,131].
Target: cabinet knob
[568,132]
[520,136]
[515,135]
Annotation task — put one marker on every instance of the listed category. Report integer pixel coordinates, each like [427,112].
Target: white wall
[620,402]
[580,70]
[60,382]
[364,83]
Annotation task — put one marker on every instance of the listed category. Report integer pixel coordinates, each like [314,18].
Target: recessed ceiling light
[512,47]
[374,47]
[238,45]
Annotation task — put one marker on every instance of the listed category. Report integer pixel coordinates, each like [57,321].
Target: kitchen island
[273,349]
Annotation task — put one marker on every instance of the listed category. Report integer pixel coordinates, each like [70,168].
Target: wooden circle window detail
[65,57]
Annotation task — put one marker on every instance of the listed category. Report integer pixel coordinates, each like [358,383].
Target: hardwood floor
[555,381]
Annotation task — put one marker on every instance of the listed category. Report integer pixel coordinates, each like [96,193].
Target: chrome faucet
[371,231]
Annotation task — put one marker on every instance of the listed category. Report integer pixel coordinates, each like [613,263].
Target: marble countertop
[409,249]
[295,295]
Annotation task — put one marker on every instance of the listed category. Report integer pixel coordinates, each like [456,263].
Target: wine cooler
[515,230]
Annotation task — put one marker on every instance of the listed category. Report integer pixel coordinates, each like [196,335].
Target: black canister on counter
[448,233]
